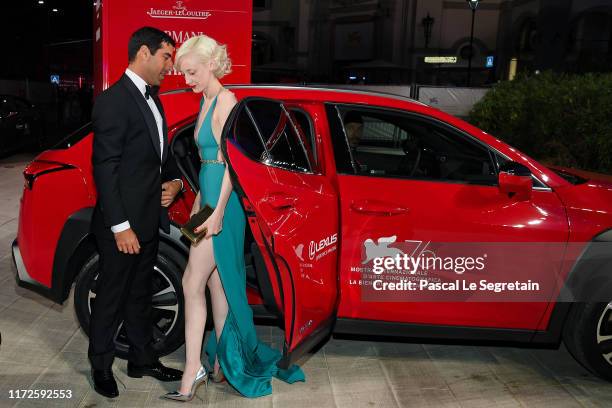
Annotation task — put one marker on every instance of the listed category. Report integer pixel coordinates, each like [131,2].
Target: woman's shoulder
[226,100]
[227,97]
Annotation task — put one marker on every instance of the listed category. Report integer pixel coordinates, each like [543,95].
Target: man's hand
[169,190]
[127,242]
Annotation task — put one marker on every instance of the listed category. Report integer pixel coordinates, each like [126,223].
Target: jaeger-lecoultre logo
[179,10]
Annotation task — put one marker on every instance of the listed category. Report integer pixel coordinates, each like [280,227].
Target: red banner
[228,21]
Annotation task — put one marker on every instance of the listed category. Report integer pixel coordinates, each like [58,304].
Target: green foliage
[558,119]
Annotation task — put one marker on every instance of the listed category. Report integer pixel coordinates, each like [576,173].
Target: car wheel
[588,336]
[167,303]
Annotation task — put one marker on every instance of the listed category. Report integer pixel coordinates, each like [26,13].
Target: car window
[305,127]
[185,152]
[74,137]
[267,132]
[385,143]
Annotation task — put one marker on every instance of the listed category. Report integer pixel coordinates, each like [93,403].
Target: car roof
[182,104]
[341,91]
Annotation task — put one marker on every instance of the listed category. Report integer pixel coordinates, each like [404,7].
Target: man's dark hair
[149,36]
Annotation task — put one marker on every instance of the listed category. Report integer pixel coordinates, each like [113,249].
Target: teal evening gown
[248,365]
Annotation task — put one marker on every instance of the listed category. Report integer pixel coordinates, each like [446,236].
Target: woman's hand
[213,225]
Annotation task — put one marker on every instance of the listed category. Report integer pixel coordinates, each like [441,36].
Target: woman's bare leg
[199,267]
[219,306]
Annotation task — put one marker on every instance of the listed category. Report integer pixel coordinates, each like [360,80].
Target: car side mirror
[515,180]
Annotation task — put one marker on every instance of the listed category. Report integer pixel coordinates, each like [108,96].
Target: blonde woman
[217,261]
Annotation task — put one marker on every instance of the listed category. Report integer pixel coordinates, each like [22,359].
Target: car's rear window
[74,137]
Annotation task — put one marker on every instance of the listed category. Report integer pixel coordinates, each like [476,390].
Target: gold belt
[212,161]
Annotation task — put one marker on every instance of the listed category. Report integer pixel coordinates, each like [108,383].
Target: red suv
[322,195]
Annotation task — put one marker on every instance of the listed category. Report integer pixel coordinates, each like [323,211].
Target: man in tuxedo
[130,160]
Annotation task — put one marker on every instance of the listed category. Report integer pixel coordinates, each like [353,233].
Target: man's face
[354,131]
[158,64]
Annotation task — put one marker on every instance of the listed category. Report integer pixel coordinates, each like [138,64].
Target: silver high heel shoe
[201,377]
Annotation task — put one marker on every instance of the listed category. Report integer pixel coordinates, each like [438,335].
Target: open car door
[293,214]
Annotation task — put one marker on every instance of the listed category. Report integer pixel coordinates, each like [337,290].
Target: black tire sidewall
[587,327]
[170,263]
[81,290]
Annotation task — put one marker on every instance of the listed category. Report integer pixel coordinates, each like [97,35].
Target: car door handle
[281,201]
[375,207]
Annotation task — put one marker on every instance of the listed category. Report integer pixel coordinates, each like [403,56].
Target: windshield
[572,178]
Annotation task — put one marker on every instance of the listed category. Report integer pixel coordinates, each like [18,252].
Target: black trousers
[123,292]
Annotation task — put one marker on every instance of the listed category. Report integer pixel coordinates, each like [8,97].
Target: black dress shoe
[155,370]
[104,383]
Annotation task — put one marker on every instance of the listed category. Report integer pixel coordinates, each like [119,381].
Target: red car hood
[588,199]
[604,179]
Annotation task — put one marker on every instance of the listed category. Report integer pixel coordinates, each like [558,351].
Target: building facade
[562,35]
[386,41]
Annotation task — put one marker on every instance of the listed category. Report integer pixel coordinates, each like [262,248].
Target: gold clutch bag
[195,221]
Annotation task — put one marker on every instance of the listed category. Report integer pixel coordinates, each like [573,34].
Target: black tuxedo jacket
[126,163]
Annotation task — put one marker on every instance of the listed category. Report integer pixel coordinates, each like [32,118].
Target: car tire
[168,304]
[587,334]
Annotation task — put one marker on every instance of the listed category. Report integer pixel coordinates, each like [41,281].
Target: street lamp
[427,26]
[473,5]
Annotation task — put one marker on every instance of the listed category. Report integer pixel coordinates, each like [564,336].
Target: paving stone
[14,377]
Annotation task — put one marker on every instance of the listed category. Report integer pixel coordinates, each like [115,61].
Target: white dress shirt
[141,85]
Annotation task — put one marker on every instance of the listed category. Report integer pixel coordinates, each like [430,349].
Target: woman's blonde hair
[206,49]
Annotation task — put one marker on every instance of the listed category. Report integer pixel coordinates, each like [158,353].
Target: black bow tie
[151,91]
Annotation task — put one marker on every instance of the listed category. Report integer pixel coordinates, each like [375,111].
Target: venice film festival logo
[179,10]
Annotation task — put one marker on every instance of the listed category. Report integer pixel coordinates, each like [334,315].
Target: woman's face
[197,73]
